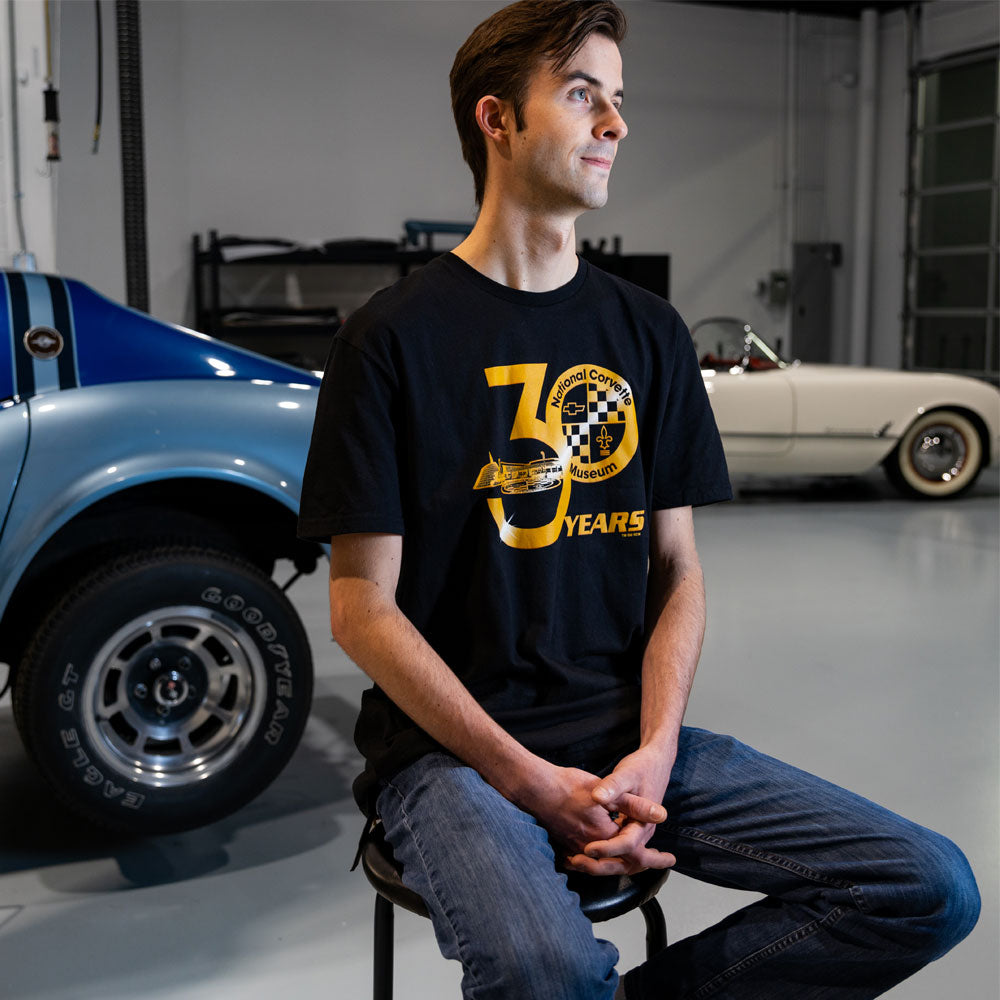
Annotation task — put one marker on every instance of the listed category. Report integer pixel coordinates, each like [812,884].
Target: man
[507,449]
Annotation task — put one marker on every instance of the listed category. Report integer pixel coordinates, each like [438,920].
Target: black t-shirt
[518,442]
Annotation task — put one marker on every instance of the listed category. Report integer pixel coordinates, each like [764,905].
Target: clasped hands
[604,824]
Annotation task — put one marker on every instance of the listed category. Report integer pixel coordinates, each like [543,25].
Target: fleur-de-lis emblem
[604,440]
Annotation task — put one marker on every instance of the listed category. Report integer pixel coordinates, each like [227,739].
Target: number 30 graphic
[550,432]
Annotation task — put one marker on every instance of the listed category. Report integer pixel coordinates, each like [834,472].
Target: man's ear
[492,116]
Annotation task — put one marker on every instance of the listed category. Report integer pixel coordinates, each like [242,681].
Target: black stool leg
[382,970]
[656,927]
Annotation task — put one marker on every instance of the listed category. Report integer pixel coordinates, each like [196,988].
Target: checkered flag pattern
[603,407]
[601,410]
[578,438]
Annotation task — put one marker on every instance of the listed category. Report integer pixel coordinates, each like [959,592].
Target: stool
[601,898]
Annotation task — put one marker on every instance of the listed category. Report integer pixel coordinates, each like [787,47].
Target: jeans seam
[459,944]
[858,895]
[765,857]
[768,951]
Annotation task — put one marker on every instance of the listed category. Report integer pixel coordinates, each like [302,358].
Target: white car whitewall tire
[940,455]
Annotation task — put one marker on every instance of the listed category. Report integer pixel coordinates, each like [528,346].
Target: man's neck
[521,250]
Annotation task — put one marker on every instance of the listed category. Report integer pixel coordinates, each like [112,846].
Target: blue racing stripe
[69,377]
[40,311]
[7,388]
[25,387]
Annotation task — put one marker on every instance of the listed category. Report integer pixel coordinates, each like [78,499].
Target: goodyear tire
[940,455]
[165,690]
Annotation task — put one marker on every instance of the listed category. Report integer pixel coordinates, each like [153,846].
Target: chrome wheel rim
[938,453]
[174,696]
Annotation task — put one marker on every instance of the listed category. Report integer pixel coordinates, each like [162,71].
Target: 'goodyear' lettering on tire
[280,665]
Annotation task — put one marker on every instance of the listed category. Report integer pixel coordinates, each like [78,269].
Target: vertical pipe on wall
[15,139]
[911,111]
[864,190]
[790,166]
[791,139]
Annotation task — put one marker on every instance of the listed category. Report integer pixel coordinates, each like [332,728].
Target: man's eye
[580,94]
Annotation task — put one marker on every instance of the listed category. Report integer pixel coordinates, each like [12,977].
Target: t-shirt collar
[466,272]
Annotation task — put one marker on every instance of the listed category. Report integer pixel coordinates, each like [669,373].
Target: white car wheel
[940,455]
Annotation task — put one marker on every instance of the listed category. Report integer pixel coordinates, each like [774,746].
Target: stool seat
[601,897]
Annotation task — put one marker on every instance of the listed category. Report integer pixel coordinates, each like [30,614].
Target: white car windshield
[723,342]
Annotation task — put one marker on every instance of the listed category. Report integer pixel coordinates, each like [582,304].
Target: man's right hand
[564,805]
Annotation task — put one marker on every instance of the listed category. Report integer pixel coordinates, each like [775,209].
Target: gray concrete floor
[850,632]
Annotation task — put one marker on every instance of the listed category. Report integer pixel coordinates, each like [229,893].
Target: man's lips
[597,161]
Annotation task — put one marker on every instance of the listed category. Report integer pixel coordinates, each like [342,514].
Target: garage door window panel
[951,317]
[946,342]
[957,280]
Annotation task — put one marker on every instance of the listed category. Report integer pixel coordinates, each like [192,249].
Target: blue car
[149,480]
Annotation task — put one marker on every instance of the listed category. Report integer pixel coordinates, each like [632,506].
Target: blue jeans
[857,898]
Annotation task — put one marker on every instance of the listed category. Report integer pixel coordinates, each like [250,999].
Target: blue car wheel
[166,690]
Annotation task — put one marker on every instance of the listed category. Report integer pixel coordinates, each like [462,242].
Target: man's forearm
[676,611]
[384,643]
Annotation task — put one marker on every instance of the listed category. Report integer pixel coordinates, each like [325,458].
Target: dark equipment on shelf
[286,300]
[647,270]
[415,228]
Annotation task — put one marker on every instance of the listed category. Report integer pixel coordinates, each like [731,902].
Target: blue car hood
[57,333]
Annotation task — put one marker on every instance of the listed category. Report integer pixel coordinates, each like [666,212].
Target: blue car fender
[95,441]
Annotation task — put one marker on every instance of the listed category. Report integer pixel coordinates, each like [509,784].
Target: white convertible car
[932,433]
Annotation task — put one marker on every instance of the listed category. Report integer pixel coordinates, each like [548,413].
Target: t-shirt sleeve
[351,481]
[690,467]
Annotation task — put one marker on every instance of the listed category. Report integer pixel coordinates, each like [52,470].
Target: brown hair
[501,54]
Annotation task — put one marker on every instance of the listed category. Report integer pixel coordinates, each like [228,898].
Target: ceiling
[819,8]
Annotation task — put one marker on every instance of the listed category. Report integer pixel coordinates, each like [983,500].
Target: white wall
[38,179]
[320,120]
[7,237]
[890,195]
[950,26]
[89,205]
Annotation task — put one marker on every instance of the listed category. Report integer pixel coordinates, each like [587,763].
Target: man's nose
[612,126]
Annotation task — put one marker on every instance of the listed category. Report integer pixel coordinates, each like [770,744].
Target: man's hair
[503,52]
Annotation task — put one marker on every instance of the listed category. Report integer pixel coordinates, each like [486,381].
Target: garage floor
[850,632]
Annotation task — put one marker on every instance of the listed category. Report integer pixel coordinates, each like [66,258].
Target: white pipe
[864,190]
[15,141]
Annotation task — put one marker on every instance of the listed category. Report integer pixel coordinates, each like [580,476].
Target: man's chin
[595,198]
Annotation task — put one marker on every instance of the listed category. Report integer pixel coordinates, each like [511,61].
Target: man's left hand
[630,794]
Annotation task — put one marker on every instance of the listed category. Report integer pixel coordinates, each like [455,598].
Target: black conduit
[133,154]
[100,75]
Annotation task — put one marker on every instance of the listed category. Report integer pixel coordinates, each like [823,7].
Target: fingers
[630,841]
[604,866]
[631,837]
[623,854]
[634,806]
[621,865]
[638,808]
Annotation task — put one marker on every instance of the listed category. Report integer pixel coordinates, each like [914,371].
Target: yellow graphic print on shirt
[590,429]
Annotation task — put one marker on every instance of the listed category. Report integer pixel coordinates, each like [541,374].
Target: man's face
[561,159]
